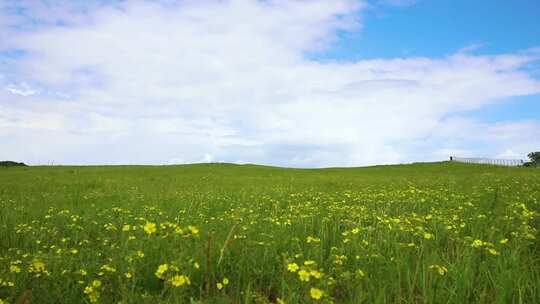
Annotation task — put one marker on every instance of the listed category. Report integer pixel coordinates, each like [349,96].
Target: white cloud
[22,89]
[403,3]
[151,83]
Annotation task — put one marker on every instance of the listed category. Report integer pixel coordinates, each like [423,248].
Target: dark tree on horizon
[9,163]
[534,159]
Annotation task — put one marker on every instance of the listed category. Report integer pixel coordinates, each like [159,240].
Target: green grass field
[221,233]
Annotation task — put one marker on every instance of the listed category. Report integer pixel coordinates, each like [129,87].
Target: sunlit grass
[217,233]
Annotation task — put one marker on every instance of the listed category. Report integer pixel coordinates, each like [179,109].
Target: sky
[289,83]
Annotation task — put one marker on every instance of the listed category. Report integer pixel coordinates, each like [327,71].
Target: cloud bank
[191,81]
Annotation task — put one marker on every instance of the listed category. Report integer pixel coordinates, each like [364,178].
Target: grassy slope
[273,211]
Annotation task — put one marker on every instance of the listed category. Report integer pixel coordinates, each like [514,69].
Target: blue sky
[291,83]
[439,28]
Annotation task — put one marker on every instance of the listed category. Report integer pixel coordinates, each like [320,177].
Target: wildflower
[303,275]
[193,230]
[94,296]
[428,236]
[315,274]
[219,286]
[6,283]
[492,251]
[92,291]
[14,268]
[477,243]
[179,280]
[126,228]
[150,228]
[108,268]
[440,269]
[128,275]
[503,241]
[316,293]
[37,267]
[225,281]
[292,267]
[311,239]
[161,270]
[359,273]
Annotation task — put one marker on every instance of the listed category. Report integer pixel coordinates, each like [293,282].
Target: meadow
[221,233]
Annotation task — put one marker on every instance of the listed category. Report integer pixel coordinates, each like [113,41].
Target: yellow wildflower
[316,293]
[92,291]
[303,275]
[193,230]
[14,268]
[94,296]
[150,228]
[292,267]
[179,280]
[493,251]
[311,239]
[37,266]
[440,269]
[315,274]
[161,270]
[359,273]
[219,286]
[108,268]
[477,243]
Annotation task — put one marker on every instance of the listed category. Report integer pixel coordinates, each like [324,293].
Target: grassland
[219,233]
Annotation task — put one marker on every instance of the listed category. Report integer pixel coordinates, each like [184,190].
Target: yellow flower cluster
[170,273]
[93,291]
[441,270]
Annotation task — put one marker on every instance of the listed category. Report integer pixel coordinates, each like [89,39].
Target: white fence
[489,161]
